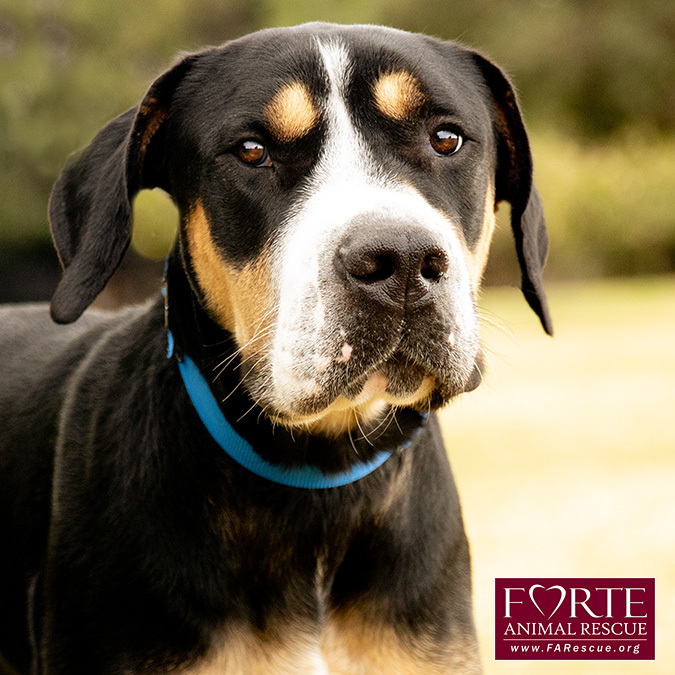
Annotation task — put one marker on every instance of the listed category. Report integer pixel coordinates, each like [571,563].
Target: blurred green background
[565,457]
[596,79]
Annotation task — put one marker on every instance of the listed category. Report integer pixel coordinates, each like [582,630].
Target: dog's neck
[295,458]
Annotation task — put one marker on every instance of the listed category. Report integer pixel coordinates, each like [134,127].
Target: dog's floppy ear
[514,184]
[90,204]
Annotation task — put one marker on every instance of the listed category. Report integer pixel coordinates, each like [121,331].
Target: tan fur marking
[240,300]
[242,652]
[291,114]
[353,645]
[477,258]
[398,95]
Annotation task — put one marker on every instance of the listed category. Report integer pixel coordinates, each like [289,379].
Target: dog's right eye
[253,153]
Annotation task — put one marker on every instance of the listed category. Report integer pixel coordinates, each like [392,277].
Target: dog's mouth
[330,405]
[332,394]
[396,380]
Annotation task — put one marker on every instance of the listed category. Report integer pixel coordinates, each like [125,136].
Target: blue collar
[242,452]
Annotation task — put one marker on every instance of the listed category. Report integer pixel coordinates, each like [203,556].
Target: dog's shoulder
[31,341]
[40,357]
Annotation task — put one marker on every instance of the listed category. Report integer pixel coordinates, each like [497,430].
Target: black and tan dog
[251,487]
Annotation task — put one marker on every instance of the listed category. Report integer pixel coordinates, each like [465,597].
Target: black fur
[129,538]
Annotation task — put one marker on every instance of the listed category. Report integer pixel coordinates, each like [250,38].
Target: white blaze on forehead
[347,182]
[346,152]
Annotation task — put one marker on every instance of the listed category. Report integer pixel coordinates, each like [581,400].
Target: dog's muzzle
[388,317]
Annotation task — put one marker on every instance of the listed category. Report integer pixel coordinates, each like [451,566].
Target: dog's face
[337,189]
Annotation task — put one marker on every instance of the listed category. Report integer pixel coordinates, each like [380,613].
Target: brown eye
[445,141]
[253,153]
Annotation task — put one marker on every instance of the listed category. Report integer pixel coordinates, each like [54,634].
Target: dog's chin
[346,412]
[396,383]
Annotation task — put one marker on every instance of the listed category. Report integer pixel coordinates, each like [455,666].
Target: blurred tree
[592,67]
[66,68]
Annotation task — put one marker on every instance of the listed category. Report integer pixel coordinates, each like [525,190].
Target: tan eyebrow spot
[398,95]
[291,114]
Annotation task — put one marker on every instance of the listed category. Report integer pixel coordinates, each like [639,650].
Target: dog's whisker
[489,362]
[252,355]
[351,440]
[381,422]
[248,358]
[385,421]
[259,332]
[492,323]
[263,410]
[364,436]
[397,424]
[243,379]
[239,419]
[393,419]
[272,310]
[223,365]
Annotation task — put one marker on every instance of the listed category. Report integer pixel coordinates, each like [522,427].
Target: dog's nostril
[371,266]
[434,266]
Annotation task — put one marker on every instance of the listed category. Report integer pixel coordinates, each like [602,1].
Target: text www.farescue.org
[568,648]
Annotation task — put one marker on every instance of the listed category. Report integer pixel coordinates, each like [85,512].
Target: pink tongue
[374,385]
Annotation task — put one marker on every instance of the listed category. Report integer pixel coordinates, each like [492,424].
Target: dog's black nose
[392,263]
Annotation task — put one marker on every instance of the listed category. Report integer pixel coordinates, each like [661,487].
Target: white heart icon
[563,593]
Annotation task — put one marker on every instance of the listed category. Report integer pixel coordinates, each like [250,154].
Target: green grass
[565,456]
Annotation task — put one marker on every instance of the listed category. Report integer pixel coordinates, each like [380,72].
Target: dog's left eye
[446,142]
[254,154]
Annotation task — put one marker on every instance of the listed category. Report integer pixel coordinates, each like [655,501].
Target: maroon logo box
[574,619]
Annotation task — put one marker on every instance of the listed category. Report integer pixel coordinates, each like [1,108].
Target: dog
[247,476]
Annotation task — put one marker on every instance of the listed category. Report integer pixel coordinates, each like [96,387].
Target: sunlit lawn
[565,458]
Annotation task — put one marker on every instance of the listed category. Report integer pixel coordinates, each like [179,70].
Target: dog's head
[337,189]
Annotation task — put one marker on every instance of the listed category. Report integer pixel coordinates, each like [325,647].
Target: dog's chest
[306,633]
[241,653]
[347,644]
